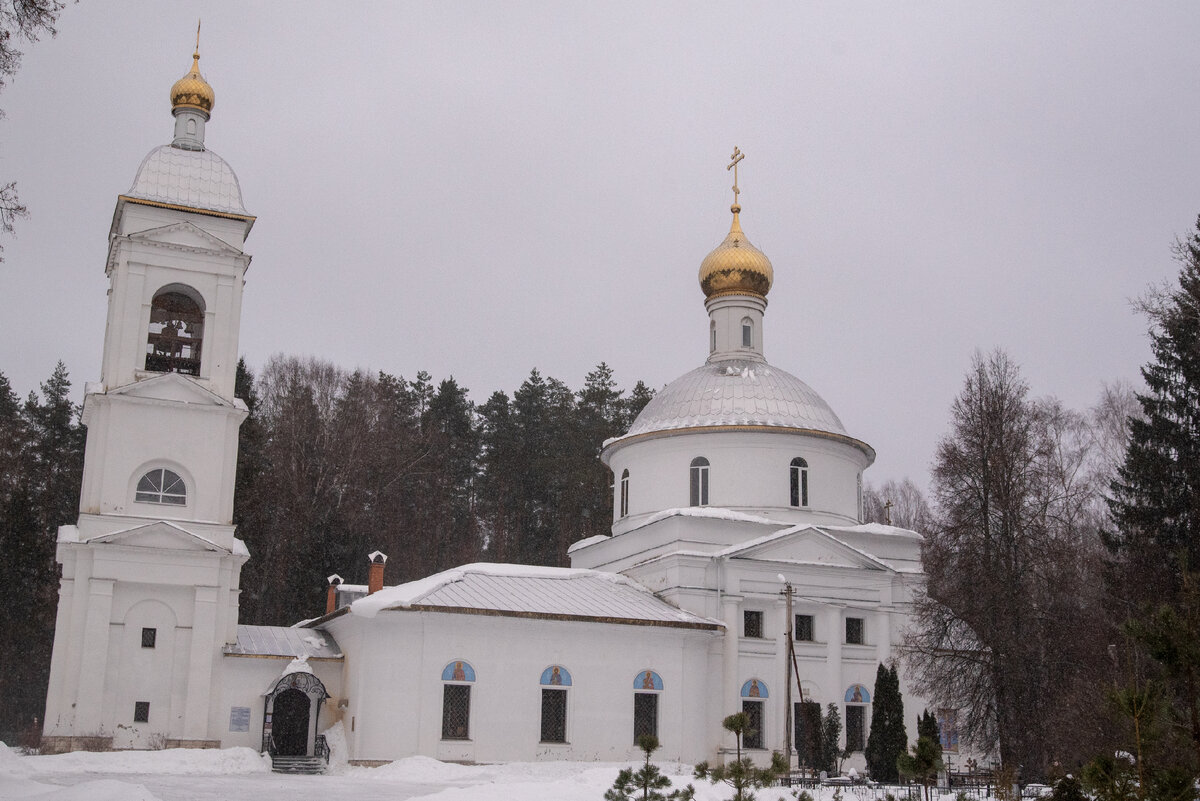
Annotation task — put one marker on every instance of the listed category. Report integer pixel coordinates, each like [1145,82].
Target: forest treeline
[334,465]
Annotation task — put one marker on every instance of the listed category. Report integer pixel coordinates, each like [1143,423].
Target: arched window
[747,332]
[457,678]
[699,480]
[712,336]
[624,493]
[860,498]
[176,333]
[754,692]
[161,486]
[555,681]
[799,482]
[646,687]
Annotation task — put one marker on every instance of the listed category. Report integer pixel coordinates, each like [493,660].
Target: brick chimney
[331,599]
[375,577]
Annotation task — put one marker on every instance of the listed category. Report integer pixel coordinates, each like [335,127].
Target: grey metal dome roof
[198,179]
[736,393]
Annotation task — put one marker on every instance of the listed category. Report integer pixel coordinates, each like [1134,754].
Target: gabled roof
[807,545]
[528,591]
[176,388]
[157,534]
[185,234]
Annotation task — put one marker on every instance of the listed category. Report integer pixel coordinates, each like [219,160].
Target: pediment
[808,545]
[184,234]
[172,387]
[161,535]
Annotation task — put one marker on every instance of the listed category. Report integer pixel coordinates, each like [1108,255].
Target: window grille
[799,482]
[753,736]
[456,711]
[554,716]
[141,711]
[645,715]
[752,624]
[699,481]
[161,486]
[854,631]
[803,632]
[855,718]
[624,493]
[148,637]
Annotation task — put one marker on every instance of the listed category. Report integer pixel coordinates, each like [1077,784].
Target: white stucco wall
[748,471]
[394,687]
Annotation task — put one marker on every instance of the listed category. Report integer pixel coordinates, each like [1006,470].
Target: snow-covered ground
[241,774]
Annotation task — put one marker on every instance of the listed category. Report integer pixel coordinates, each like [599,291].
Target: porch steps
[310,765]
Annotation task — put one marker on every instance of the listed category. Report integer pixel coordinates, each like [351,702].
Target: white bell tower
[149,588]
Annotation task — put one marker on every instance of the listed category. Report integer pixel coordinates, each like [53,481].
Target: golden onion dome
[192,91]
[736,267]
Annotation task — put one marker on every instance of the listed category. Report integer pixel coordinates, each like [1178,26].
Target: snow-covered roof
[198,179]
[736,392]
[535,591]
[284,641]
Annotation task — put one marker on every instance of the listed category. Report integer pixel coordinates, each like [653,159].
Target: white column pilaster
[94,664]
[200,664]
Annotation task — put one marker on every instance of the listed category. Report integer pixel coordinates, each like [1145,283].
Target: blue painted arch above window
[857,694]
[754,688]
[556,676]
[458,670]
[647,680]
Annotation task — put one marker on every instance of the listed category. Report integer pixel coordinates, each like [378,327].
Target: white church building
[736,483]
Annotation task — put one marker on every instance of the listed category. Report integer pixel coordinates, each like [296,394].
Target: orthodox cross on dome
[737,156]
[197,38]
[887,512]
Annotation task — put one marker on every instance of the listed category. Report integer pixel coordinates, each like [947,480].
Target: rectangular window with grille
[554,716]
[804,629]
[855,725]
[645,715]
[456,711]
[854,631]
[753,736]
[141,711]
[807,721]
[149,636]
[752,624]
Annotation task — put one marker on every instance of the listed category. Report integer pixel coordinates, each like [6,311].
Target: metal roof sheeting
[520,589]
[735,392]
[198,179]
[284,641]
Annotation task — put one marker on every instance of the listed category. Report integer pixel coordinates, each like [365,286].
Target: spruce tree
[888,738]
[1156,499]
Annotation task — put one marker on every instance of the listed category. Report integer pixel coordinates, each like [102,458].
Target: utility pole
[787,684]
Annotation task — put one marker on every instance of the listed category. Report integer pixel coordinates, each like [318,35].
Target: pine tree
[888,738]
[44,444]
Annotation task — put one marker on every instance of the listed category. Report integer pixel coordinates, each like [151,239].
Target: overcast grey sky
[477,189]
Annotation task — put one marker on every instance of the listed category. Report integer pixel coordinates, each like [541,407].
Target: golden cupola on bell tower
[192,100]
